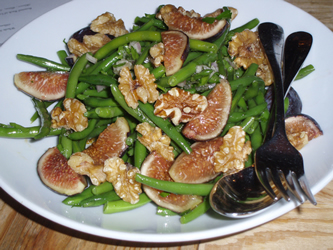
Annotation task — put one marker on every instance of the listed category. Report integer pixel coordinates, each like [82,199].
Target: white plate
[44,36]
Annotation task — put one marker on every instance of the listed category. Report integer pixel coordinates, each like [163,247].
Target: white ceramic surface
[44,36]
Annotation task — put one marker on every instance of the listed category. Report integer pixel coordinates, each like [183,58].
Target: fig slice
[210,123]
[176,48]
[191,23]
[301,129]
[56,174]
[157,167]
[110,143]
[43,85]
[198,166]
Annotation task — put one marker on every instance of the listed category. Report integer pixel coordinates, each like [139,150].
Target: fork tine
[294,186]
[277,182]
[307,191]
[264,180]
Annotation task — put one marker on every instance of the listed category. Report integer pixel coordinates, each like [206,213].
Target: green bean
[263,120]
[76,147]
[120,206]
[91,114]
[140,153]
[106,121]
[242,104]
[260,98]
[65,146]
[252,91]
[136,113]
[175,187]
[102,188]
[100,79]
[247,123]
[165,212]
[202,46]
[109,112]
[76,199]
[62,54]
[250,130]
[196,212]
[238,95]
[158,72]
[94,93]
[107,63]
[230,73]
[251,103]
[243,81]
[143,56]
[100,102]
[81,87]
[251,70]
[249,25]
[152,36]
[96,131]
[303,72]
[35,116]
[191,56]
[166,127]
[84,133]
[239,116]
[45,119]
[227,127]
[42,62]
[286,104]
[256,139]
[220,41]
[24,133]
[74,76]
[100,199]
[185,72]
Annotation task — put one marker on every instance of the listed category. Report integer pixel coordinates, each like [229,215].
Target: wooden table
[307,227]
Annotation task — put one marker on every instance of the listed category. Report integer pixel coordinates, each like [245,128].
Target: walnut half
[122,177]
[73,116]
[233,152]
[180,105]
[246,48]
[143,88]
[153,139]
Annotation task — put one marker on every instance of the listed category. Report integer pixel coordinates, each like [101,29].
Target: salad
[156,114]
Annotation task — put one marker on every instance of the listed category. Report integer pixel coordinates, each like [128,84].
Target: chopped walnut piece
[247,49]
[122,177]
[233,152]
[153,139]
[180,105]
[157,54]
[73,116]
[107,24]
[143,88]
[83,164]
[90,43]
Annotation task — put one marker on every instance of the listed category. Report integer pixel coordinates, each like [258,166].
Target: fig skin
[198,166]
[55,173]
[177,47]
[157,167]
[212,120]
[43,85]
[295,102]
[193,27]
[303,123]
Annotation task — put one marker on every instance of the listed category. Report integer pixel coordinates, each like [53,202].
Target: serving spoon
[241,195]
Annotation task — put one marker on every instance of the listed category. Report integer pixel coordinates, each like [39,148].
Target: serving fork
[277,163]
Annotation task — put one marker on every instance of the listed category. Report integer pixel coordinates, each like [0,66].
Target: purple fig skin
[55,173]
